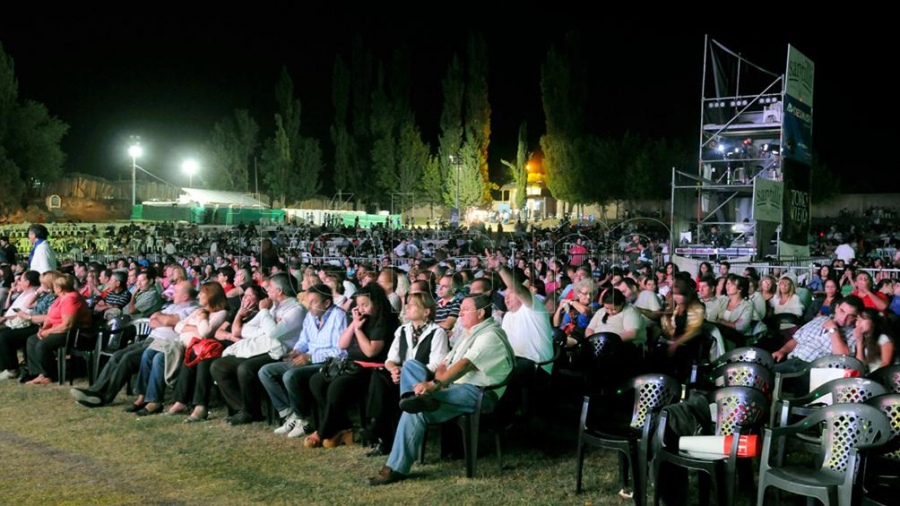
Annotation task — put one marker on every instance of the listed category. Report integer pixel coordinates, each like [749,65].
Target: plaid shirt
[813,341]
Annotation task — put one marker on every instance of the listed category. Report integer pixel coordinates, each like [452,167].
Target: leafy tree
[230,149]
[345,155]
[291,162]
[564,92]
[30,139]
[478,109]
[362,84]
[519,170]
[470,185]
[384,157]
[451,129]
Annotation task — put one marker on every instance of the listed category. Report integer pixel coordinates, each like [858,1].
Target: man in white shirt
[529,331]
[845,252]
[42,257]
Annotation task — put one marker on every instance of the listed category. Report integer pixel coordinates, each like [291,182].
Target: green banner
[768,200]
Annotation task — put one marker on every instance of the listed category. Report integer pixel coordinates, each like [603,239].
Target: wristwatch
[832,330]
[438,384]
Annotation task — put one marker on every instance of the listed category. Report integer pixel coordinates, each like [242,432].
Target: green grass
[57,452]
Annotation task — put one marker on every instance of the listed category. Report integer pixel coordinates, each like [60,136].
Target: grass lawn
[57,452]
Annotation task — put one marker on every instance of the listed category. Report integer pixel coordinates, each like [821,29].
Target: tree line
[376,148]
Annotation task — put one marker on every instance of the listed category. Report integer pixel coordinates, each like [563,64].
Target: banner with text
[797,154]
[768,200]
[796,215]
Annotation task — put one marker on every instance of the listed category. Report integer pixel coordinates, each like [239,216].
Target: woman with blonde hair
[786,302]
[68,311]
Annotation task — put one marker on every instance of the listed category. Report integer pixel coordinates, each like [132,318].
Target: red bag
[202,349]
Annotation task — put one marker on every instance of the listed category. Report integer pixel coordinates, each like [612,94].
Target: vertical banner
[796,151]
[796,217]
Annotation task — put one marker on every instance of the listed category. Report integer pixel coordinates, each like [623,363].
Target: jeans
[456,400]
[288,387]
[152,377]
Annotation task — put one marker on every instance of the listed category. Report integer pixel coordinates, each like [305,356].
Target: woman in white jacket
[420,339]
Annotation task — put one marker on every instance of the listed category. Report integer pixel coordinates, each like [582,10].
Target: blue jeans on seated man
[152,377]
[456,400]
[288,387]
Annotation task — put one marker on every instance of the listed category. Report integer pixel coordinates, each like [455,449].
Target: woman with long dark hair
[367,339]
[683,329]
[874,343]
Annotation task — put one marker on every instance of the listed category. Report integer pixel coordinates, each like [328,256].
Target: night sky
[168,75]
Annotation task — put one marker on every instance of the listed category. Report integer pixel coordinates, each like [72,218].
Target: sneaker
[626,493]
[8,375]
[289,423]
[300,429]
[86,397]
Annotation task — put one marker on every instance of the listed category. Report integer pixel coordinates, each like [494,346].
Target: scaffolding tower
[740,143]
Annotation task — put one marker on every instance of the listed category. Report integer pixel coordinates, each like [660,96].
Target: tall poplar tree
[478,110]
[519,169]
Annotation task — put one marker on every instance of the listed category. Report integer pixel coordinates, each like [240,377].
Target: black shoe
[240,419]
[146,412]
[386,476]
[419,403]
[134,408]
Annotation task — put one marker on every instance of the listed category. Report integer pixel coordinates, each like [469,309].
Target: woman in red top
[873,300]
[69,310]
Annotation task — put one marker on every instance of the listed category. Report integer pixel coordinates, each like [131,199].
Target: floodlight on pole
[135,151]
[190,167]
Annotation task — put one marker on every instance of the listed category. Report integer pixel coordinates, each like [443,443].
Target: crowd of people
[408,336]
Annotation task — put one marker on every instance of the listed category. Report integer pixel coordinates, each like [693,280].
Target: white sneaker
[289,423]
[299,429]
[8,375]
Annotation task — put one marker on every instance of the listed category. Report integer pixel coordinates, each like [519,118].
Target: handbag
[334,367]
[202,349]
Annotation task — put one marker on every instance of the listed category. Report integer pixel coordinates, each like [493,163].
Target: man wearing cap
[41,258]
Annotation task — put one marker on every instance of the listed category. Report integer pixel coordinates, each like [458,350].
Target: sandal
[313,441]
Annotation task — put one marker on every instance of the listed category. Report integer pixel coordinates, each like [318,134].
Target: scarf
[33,248]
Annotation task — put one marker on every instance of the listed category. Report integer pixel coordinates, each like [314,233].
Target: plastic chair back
[847,427]
[839,362]
[888,376]
[749,354]
[889,404]
[603,343]
[739,407]
[744,374]
[652,392]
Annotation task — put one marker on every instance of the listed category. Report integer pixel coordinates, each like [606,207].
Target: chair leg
[640,477]
[579,466]
[470,443]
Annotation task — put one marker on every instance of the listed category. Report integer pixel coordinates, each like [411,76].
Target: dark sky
[167,75]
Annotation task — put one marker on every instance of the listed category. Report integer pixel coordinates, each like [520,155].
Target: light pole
[190,167]
[455,160]
[135,152]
